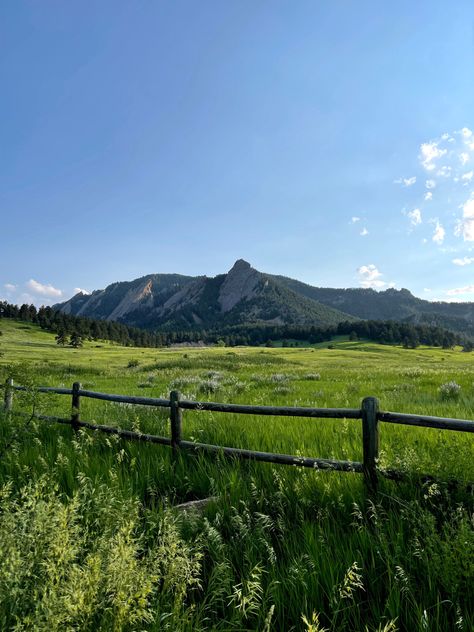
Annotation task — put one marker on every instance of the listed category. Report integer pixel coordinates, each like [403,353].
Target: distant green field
[280,548]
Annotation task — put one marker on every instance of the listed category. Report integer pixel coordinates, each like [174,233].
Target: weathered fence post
[176,419]
[76,405]
[8,396]
[370,441]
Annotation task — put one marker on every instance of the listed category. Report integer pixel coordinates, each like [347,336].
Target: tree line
[73,330]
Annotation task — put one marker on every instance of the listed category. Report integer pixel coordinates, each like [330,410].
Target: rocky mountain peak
[240,283]
[240,265]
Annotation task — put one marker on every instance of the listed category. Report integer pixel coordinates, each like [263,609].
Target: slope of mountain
[389,304]
[243,295]
[118,299]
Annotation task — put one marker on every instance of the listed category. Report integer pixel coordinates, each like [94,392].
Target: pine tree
[61,338]
[75,340]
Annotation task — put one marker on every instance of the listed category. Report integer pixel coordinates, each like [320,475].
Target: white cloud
[430,184]
[466,132]
[439,233]
[429,153]
[465,261]
[444,171]
[43,289]
[355,219]
[78,290]
[464,157]
[465,227]
[369,276]
[428,196]
[467,177]
[415,216]
[10,287]
[467,289]
[406,182]
[364,232]
[426,289]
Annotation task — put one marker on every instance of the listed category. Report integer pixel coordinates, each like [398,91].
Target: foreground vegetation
[89,538]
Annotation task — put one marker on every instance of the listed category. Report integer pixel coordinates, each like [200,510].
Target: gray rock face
[136,297]
[189,295]
[240,283]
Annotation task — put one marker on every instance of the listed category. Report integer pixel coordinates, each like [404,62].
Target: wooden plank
[44,389]
[127,399]
[370,441]
[282,459]
[8,395]
[175,420]
[279,411]
[124,434]
[75,405]
[195,505]
[426,421]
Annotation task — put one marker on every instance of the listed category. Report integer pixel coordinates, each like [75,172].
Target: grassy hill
[90,539]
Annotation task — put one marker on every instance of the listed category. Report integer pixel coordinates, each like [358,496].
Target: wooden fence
[369,413]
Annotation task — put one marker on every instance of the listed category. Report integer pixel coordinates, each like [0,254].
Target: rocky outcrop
[135,298]
[189,295]
[240,284]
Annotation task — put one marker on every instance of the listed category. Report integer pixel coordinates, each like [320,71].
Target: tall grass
[90,539]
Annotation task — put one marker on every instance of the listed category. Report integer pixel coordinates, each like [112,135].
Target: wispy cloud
[429,152]
[406,182]
[10,287]
[465,226]
[364,232]
[43,289]
[467,289]
[465,261]
[445,171]
[443,161]
[369,277]
[355,219]
[415,216]
[439,233]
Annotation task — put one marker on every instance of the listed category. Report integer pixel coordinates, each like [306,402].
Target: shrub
[280,378]
[450,390]
[312,376]
[132,364]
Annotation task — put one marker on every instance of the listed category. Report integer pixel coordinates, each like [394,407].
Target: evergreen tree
[75,340]
[61,338]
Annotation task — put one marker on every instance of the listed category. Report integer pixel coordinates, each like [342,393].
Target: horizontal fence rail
[426,421]
[369,413]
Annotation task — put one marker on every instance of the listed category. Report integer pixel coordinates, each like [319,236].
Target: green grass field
[89,539]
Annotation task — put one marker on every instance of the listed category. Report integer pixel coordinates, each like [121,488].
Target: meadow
[90,538]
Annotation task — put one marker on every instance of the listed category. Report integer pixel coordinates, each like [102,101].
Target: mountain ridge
[246,295]
[241,295]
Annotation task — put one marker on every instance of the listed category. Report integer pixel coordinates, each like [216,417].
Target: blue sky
[140,137]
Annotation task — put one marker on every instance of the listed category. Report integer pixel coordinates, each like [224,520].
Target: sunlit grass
[280,548]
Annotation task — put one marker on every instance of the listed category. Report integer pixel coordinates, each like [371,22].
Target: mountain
[391,304]
[172,301]
[246,296]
